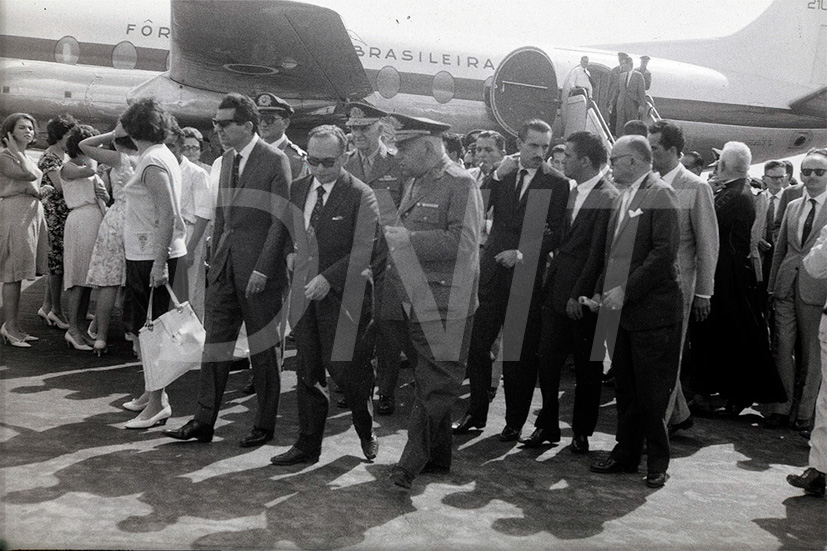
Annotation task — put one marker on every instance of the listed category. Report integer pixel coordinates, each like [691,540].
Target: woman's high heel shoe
[100,348]
[30,338]
[14,341]
[72,343]
[134,405]
[159,418]
[45,317]
[56,321]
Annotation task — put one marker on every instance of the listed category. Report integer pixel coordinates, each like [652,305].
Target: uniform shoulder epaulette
[299,151]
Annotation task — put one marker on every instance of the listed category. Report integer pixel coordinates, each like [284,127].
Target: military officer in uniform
[275,119]
[434,270]
[377,166]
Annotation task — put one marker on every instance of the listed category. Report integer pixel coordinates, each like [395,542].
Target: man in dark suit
[523,191]
[247,274]
[614,84]
[434,270]
[641,299]
[275,119]
[338,215]
[573,273]
[373,163]
[629,100]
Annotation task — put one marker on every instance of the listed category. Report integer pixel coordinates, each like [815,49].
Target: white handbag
[170,345]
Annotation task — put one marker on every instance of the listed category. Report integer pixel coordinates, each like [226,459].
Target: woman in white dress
[107,269]
[85,194]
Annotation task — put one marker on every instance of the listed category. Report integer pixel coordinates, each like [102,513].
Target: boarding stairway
[580,112]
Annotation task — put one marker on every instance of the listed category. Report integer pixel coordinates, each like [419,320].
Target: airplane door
[524,87]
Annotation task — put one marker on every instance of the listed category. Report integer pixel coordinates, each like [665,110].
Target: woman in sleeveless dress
[56,211]
[107,268]
[83,191]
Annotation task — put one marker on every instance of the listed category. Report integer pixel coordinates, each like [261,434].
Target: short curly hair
[79,133]
[147,121]
[57,127]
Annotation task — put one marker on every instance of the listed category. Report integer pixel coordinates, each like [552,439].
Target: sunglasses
[224,123]
[818,171]
[327,163]
[270,119]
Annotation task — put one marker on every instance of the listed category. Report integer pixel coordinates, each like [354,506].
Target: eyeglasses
[271,119]
[614,160]
[327,163]
[818,171]
[224,123]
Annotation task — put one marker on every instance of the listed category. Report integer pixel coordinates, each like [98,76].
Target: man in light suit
[339,215]
[247,273]
[630,96]
[641,296]
[525,192]
[575,267]
[798,297]
[698,250]
[275,119]
[374,164]
[434,269]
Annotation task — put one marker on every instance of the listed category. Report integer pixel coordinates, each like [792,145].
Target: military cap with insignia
[271,103]
[362,114]
[405,127]
[645,58]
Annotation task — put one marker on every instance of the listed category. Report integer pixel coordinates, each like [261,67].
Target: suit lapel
[818,223]
[633,205]
[337,195]
[249,167]
[591,202]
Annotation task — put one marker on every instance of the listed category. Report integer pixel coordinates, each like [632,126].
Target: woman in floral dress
[107,269]
[56,211]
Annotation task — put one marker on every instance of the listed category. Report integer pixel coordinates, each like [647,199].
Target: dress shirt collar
[281,141]
[819,198]
[588,185]
[670,176]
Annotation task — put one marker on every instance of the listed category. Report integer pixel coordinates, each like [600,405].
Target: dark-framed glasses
[327,162]
[818,171]
[224,123]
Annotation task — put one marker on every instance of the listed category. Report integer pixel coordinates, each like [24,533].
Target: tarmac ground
[72,477]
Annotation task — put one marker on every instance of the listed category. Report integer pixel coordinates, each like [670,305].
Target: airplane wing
[290,49]
[814,104]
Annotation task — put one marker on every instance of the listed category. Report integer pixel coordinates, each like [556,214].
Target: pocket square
[635,213]
[337,218]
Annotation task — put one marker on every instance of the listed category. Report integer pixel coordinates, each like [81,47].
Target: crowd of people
[398,238]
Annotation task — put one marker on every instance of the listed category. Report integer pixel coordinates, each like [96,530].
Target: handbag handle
[174,298]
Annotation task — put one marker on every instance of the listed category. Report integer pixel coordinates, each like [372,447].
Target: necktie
[367,165]
[770,218]
[236,165]
[808,223]
[624,205]
[573,204]
[518,190]
[317,208]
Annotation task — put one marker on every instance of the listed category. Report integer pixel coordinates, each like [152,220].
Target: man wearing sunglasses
[247,272]
[334,231]
[275,119]
[798,297]
[377,166]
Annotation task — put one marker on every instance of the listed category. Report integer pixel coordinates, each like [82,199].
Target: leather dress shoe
[656,480]
[509,435]
[293,456]
[385,405]
[193,429]
[801,425]
[686,424]
[257,437]
[370,447]
[464,425]
[776,421]
[610,465]
[579,444]
[400,478]
[811,481]
[538,438]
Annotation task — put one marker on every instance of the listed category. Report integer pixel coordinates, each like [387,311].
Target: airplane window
[443,87]
[67,50]
[388,82]
[124,56]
